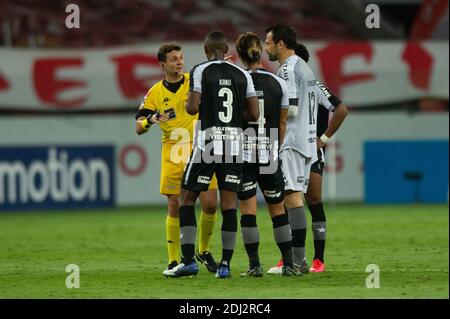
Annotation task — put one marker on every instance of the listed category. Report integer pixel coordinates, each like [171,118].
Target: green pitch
[121,254]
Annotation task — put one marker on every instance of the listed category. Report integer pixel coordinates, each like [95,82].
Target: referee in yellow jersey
[164,104]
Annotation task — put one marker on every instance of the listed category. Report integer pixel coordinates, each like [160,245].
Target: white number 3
[228,104]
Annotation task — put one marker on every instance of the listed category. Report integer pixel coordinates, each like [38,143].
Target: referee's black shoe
[207,259]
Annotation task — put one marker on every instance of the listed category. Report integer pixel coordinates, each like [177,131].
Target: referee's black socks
[319,228]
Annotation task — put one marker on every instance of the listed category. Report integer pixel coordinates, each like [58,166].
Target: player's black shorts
[271,185]
[197,174]
[318,166]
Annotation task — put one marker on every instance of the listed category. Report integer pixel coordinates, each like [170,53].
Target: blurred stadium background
[68,98]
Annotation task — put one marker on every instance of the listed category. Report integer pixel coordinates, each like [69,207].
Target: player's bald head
[216,41]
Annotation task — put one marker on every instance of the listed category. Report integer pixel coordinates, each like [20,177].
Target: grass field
[121,254]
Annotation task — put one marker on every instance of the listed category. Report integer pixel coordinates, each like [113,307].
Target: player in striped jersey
[326,128]
[301,144]
[260,152]
[298,151]
[223,95]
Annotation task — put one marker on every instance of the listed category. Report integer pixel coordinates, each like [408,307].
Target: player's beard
[272,56]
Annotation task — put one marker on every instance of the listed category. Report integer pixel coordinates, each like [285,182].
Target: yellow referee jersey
[160,99]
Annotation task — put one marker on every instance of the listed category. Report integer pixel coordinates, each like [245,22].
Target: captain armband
[144,113]
[145,123]
[293,108]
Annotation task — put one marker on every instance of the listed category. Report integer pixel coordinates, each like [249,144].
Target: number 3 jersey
[224,87]
[306,94]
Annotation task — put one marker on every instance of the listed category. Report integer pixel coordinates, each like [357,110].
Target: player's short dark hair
[167,48]
[282,32]
[249,47]
[302,51]
[216,40]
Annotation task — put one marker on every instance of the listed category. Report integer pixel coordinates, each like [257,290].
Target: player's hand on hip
[320,143]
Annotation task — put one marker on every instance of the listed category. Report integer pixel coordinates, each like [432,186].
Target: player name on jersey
[226,82]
